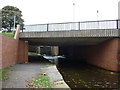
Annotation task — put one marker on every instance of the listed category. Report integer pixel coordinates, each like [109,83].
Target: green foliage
[3,72]
[0,18]
[10,34]
[52,51]
[20,62]
[33,48]
[42,81]
[8,13]
[36,54]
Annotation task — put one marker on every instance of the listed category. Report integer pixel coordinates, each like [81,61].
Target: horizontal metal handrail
[83,25]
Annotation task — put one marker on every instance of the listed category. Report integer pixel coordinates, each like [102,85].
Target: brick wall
[104,55]
[0,50]
[23,51]
[12,50]
[9,51]
[119,54]
[55,50]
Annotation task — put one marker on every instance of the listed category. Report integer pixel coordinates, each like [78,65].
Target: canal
[83,75]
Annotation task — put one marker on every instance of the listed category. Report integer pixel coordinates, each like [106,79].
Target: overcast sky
[53,11]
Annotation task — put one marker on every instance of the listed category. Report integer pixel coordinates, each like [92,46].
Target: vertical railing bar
[22,29]
[117,24]
[47,27]
[78,25]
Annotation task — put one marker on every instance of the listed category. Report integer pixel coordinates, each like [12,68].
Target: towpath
[21,74]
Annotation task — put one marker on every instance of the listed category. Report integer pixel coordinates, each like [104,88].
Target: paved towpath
[21,73]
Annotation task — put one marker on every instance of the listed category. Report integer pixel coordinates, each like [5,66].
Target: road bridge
[97,42]
[72,33]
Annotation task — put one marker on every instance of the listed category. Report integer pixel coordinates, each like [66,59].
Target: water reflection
[82,75]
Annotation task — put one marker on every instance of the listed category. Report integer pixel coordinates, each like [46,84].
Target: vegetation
[42,81]
[9,13]
[20,62]
[52,51]
[10,34]
[3,72]
[36,54]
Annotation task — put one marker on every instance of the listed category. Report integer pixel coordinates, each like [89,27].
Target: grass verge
[3,72]
[42,81]
[10,34]
[36,54]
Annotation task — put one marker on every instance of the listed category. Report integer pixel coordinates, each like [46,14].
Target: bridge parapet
[103,28]
[68,26]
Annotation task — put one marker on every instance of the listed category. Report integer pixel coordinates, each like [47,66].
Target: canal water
[83,75]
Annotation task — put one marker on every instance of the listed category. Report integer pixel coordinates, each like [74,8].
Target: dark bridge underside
[65,41]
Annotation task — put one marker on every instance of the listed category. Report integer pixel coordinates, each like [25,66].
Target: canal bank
[56,78]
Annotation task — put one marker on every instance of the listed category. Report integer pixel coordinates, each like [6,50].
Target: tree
[8,15]
[0,18]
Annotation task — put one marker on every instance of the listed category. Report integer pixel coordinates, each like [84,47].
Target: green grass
[20,62]
[36,54]
[42,81]
[10,34]
[3,72]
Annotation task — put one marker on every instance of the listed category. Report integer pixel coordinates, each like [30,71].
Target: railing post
[78,25]
[47,27]
[117,23]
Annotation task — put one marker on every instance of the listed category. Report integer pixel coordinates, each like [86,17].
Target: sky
[56,11]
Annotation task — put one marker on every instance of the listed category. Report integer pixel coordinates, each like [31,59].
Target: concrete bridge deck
[81,37]
[72,33]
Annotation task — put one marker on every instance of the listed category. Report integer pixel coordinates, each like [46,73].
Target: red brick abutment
[12,50]
[105,55]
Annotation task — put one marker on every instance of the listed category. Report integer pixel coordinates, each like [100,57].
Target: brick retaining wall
[9,51]
[0,50]
[23,51]
[12,50]
[104,55]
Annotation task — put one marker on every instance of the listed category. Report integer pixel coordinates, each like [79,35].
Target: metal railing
[86,25]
